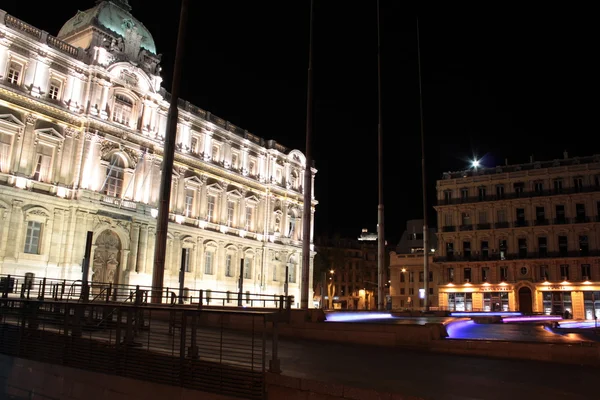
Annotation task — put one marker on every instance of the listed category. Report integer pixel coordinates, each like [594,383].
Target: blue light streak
[486,314]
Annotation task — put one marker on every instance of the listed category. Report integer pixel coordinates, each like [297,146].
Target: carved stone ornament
[129,78]
[38,212]
[106,147]
[31,119]
[72,133]
[296,157]
[134,155]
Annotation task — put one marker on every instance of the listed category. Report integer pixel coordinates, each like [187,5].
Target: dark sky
[497,83]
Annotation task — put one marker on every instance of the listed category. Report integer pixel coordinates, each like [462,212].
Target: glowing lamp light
[179,219]
[61,192]
[154,212]
[475,163]
[21,183]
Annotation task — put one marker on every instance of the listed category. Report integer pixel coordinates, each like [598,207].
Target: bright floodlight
[475,163]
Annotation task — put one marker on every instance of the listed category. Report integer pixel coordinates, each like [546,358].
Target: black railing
[516,256]
[214,351]
[72,291]
[517,195]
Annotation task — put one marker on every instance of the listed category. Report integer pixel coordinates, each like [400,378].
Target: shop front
[483,297]
[579,301]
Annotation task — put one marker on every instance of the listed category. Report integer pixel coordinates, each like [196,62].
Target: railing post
[43,289]
[200,294]
[193,350]
[5,287]
[108,291]
[274,363]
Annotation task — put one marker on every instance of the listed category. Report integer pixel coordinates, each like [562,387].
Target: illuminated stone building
[351,264]
[521,237]
[82,122]
[406,269]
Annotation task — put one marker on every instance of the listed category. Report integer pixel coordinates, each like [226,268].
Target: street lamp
[475,163]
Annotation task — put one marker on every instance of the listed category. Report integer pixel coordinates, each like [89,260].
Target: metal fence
[30,287]
[215,351]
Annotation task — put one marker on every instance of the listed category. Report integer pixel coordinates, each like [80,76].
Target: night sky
[498,83]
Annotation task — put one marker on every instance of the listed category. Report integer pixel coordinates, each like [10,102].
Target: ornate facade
[522,237]
[82,122]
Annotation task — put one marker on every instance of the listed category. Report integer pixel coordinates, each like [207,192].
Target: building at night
[350,265]
[521,237]
[82,122]
[406,269]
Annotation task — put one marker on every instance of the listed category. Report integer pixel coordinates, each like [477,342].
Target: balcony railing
[521,224]
[516,256]
[517,195]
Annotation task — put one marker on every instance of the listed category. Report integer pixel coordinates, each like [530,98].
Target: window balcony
[541,222]
[467,227]
[484,226]
[501,225]
[581,219]
[449,228]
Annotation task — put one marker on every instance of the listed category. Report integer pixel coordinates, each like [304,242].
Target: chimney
[531,159]
[565,154]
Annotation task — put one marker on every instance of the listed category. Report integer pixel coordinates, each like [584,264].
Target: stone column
[16,224]
[241,218]
[142,249]
[5,219]
[56,237]
[135,238]
[123,271]
[104,99]
[207,145]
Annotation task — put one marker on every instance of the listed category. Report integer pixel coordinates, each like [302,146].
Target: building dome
[114,16]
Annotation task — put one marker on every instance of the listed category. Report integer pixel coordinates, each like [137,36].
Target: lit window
[247,268]
[292,272]
[234,160]
[14,73]
[252,168]
[249,212]
[186,260]
[210,211]
[228,260]
[208,263]
[230,213]
[114,177]
[194,147]
[189,202]
[215,153]
[42,165]
[123,109]
[5,150]
[32,238]
[54,89]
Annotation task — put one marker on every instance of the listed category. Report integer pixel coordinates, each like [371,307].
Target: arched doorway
[525,300]
[106,258]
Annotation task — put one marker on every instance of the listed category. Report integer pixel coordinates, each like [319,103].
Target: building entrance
[525,304]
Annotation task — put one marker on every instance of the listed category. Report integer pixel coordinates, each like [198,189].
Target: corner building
[82,123]
[521,237]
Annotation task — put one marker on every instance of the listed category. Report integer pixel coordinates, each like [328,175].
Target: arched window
[291,229]
[114,176]
[122,110]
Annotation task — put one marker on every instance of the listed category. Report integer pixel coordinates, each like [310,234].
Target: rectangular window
[189,203]
[187,267]
[467,250]
[503,274]
[483,217]
[54,89]
[252,168]
[249,212]
[485,251]
[448,219]
[210,208]
[519,188]
[228,269]
[208,263]
[501,215]
[450,250]
[234,161]
[448,196]
[563,245]
[540,214]
[450,274]
[215,153]
[421,276]
[194,145]
[230,213]
[481,193]
[114,181]
[5,150]
[538,187]
[500,191]
[586,272]
[467,274]
[543,246]
[580,212]
[503,247]
[14,73]
[247,268]
[520,216]
[411,276]
[578,184]
[292,273]
[522,247]
[584,247]
[42,164]
[560,214]
[32,237]
[544,273]
[123,110]
[485,274]
[564,272]
[558,186]
[464,194]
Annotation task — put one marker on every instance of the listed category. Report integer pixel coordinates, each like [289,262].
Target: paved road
[435,376]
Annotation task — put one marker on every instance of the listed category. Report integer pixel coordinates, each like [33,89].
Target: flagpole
[164,200]
[423,183]
[307,211]
[380,215]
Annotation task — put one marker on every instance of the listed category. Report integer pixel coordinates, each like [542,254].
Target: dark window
[583,245]
[484,249]
[543,246]
[563,245]
[467,249]
[481,193]
[450,274]
[538,187]
[560,213]
[578,184]
[503,247]
[448,196]
[519,186]
[558,186]
[467,274]
[450,250]
[544,272]
[485,274]
[522,247]
[580,212]
[564,272]
[503,274]
[586,272]
[500,191]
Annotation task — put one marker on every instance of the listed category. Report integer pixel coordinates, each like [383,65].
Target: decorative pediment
[215,186]
[193,180]
[11,120]
[235,193]
[50,133]
[252,198]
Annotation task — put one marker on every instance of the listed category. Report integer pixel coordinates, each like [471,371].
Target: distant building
[522,237]
[351,265]
[406,269]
